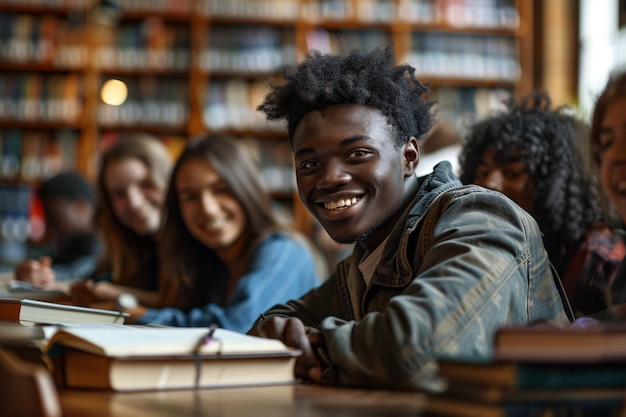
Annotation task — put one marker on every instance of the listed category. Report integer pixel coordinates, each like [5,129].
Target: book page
[126,340]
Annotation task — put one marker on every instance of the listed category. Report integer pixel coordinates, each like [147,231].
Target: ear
[410,156]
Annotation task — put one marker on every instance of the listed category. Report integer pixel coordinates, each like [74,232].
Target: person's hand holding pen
[293,333]
[36,272]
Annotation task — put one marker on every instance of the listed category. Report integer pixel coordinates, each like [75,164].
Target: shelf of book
[194,66]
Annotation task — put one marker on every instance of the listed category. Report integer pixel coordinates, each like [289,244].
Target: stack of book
[93,348]
[539,371]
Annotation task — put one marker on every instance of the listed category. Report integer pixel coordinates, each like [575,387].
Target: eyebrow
[345,142]
[220,182]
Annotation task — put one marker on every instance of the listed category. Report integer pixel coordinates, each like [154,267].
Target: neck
[380,233]
[233,255]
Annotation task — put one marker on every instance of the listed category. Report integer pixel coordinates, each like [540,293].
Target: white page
[125,340]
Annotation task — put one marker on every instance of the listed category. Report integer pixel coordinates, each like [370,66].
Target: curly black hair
[548,141]
[372,79]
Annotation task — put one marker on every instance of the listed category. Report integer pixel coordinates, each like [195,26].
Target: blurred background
[76,73]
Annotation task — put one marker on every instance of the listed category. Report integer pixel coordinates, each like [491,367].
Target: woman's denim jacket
[282,267]
[461,262]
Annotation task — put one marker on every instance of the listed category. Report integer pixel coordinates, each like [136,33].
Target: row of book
[170,7]
[467,13]
[26,158]
[15,209]
[232,103]
[34,155]
[465,56]
[248,48]
[275,160]
[275,10]
[149,43]
[461,13]
[151,100]
[229,103]
[41,97]
[45,39]
[343,40]
[460,107]
[53,4]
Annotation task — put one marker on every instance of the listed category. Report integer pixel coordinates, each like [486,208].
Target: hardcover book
[508,375]
[131,358]
[31,312]
[599,342]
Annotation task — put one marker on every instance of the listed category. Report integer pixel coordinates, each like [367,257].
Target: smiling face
[350,174]
[509,176]
[135,199]
[209,209]
[612,141]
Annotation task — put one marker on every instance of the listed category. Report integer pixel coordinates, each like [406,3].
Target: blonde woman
[132,181]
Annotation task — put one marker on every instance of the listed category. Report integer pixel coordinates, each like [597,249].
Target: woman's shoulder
[284,238]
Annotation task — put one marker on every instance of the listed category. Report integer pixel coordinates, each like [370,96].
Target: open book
[127,357]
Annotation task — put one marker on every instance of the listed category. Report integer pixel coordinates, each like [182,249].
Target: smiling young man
[437,267]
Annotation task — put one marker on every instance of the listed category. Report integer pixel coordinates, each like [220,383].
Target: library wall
[191,66]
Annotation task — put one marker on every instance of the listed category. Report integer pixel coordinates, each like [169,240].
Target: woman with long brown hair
[225,258]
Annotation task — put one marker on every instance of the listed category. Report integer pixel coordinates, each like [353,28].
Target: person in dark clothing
[72,245]
[437,267]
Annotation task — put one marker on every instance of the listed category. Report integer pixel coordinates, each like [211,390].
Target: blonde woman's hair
[131,259]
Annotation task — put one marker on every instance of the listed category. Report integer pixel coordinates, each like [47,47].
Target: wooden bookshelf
[198,65]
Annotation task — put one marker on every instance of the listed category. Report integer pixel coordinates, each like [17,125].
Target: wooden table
[308,400]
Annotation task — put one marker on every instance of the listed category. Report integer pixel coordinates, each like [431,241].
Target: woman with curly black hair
[530,152]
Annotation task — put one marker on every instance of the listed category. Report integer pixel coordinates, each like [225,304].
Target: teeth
[342,202]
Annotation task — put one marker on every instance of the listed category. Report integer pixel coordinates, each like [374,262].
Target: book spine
[571,376]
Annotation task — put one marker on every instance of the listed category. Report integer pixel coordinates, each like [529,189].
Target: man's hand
[87,292]
[83,292]
[36,272]
[293,333]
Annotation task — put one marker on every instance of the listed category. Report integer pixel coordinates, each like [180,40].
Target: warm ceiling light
[114,92]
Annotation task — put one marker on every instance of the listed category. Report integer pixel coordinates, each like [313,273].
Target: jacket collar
[395,268]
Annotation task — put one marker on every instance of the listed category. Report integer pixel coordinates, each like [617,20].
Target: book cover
[31,312]
[86,370]
[599,342]
[130,358]
[507,375]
